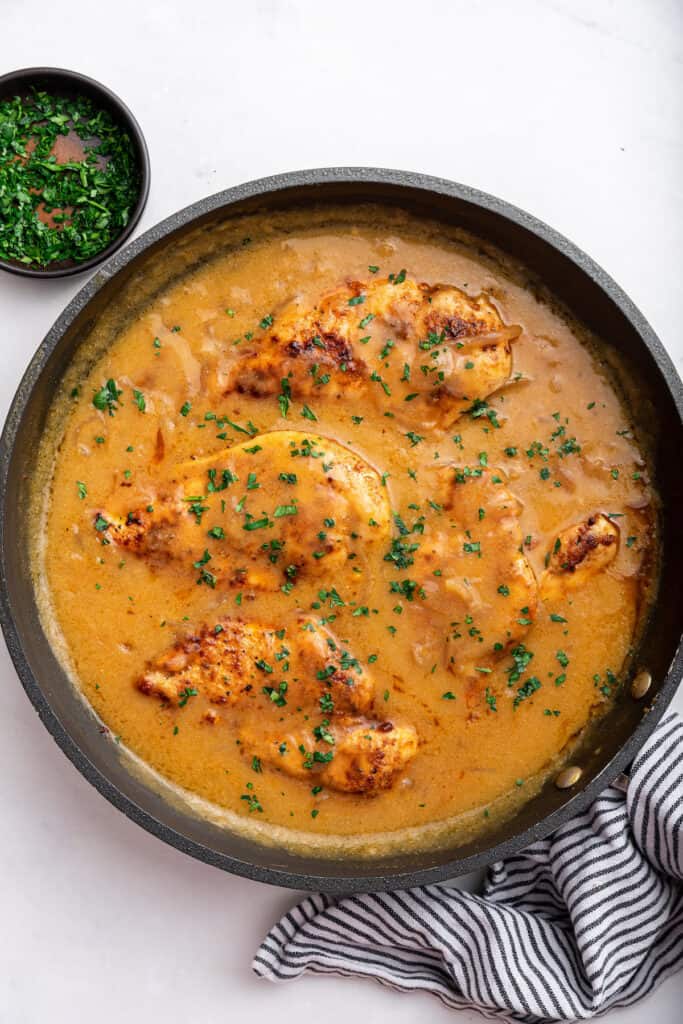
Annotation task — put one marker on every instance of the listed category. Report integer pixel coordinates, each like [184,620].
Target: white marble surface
[570,108]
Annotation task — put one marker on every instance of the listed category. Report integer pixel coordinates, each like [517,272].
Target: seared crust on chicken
[579,552]
[260,671]
[354,755]
[144,531]
[386,338]
[239,662]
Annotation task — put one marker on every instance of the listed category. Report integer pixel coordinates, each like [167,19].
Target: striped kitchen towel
[585,921]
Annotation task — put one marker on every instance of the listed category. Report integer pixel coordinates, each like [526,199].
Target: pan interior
[170,263]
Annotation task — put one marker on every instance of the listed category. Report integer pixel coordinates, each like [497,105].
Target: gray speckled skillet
[593,298]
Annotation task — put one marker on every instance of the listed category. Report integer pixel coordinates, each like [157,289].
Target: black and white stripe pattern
[587,920]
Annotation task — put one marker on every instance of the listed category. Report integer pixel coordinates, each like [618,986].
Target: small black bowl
[70,83]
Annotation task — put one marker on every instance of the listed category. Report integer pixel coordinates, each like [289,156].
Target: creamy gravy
[557,436]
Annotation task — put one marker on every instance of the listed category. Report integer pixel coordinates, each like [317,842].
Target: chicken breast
[385,339]
[579,552]
[464,569]
[281,507]
[239,663]
[276,680]
[468,568]
[351,755]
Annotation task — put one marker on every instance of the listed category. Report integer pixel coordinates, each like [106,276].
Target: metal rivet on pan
[641,684]
[568,777]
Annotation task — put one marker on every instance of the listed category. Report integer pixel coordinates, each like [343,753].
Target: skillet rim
[264,188]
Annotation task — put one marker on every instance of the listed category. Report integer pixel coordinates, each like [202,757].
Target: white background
[569,108]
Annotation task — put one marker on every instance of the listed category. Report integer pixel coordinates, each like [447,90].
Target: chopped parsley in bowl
[74,174]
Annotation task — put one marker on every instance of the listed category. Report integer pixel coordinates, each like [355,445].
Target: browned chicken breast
[386,339]
[580,552]
[352,755]
[148,531]
[300,697]
[239,662]
[463,565]
[282,507]
[466,559]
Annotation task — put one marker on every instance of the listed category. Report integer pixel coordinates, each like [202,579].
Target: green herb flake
[185,695]
[108,398]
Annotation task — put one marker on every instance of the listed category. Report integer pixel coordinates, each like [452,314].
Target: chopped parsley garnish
[568,447]
[529,687]
[284,397]
[520,660]
[277,693]
[401,553]
[227,478]
[407,588]
[195,507]
[89,199]
[284,510]
[108,398]
[480,408]
[185,695]
[256,524]
[204,575]
[249,430]
[252,801]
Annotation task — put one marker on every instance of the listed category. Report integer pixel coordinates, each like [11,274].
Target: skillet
[656,407]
